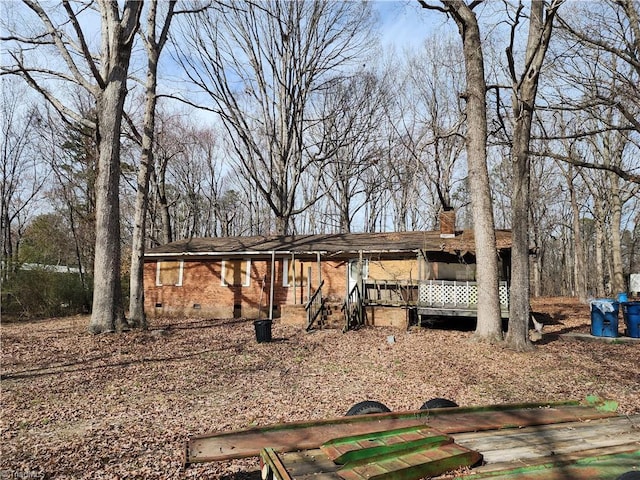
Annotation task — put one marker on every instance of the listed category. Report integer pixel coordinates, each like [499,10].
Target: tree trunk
[617,283]
[489,325]
[537,275]
[524,98]
[599,261]
[580,277]
[282,224]
[117,35]
[137,315]
[107,311]
[519,310]
[166,234]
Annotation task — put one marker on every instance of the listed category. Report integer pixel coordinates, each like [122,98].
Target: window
[289,269]
[169,273]
[236,273]
[353,269]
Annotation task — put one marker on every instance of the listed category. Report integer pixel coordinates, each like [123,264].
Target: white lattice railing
[440,293]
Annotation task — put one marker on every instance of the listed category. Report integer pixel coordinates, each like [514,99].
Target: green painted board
[359,447]
[411,464]
[604,467]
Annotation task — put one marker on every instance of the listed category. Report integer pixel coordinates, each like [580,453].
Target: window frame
[286,280]
[285,273]
[365,269]
[180,273]
[246,282]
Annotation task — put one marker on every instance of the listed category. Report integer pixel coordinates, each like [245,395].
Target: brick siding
[202,293]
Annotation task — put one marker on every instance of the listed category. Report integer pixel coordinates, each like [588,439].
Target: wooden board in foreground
[310,435]
[595,449]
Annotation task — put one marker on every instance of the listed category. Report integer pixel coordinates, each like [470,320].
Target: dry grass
[121,406]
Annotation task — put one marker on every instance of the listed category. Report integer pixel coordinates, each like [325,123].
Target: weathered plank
[272,463]
[308,462]
[550,440]
[517,418]
[558,460]
[558,447]
[310,435]
[613,423]
[287,437]
[604,467]
[555,439]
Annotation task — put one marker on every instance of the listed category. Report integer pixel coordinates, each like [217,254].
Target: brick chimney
[447,219]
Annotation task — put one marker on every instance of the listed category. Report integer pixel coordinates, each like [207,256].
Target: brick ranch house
[334,279]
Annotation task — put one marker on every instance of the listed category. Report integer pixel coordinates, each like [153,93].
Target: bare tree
[72,155]
[608,45]
[351,111]
[261,64]
[105,77]
[524,91]
[21,178]
[597,80]
[489,326]
[544,218]
[154,43]
[431,121]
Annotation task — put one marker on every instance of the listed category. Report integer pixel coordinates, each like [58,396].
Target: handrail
[393,291]
[357,311]
[311,314]
[313,297]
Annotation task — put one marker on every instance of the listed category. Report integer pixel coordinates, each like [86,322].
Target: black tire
[438,403]
[367,407]
[632,475]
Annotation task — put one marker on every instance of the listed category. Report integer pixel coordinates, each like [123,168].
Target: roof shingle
[329,243]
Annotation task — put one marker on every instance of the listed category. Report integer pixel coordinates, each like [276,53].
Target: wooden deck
[431,298]
[560,441]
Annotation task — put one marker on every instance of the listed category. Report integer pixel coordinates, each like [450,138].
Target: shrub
[38,293]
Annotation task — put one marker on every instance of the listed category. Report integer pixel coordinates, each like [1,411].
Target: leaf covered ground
[121,406]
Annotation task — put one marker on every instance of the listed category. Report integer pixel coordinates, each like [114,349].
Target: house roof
[327,243]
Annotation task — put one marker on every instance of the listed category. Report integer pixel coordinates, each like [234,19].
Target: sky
[404,23]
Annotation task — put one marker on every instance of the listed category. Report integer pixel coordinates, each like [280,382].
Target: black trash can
[263,330]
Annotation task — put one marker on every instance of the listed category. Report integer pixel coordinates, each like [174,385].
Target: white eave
[268,252]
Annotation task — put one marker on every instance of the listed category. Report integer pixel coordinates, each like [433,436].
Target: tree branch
[62,48]
[83,44]
[428,6]
[63,110]
[630,177]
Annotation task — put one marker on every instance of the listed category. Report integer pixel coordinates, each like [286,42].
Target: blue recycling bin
[604,317]
[631,315]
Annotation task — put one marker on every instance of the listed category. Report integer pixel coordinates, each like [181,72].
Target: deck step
[359,447]
[413,463]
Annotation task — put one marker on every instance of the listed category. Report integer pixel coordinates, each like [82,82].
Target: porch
[452,298]
[430,298]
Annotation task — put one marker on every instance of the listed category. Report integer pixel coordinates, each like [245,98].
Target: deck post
[293,269]
[271,286]
[361,285]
